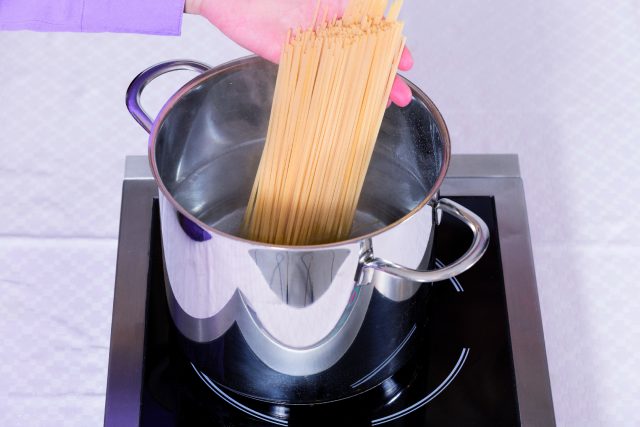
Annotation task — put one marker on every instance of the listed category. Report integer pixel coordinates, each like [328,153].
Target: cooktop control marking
[386,361]
[237,404]
[419,404]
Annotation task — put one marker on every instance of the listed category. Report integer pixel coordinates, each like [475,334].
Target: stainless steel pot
[293,324]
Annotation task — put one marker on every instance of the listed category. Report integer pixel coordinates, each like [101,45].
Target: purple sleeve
[162,17]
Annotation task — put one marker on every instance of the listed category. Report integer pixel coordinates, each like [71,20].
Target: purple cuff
[133,16]
[163,17]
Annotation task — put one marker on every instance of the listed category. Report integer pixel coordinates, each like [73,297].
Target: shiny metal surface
[299,309]
[271,352]
[137,86]
[478,247]
[283,270]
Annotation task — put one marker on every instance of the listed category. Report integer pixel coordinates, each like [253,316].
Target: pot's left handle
[144,78]
[133,105]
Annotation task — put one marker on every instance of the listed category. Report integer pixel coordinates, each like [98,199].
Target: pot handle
[478,247]
[144,78]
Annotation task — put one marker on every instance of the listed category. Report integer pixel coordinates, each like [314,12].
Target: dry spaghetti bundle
[331,93]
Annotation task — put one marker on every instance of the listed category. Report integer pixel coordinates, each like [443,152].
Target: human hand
[262,26]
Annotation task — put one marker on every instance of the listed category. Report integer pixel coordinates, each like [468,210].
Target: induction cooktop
[482,361]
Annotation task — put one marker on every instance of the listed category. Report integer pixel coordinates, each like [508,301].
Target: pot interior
[210,137]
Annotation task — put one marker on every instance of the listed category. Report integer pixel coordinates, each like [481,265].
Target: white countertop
[555,81]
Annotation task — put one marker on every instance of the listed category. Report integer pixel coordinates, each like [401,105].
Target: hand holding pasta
[333,84]
[262,25]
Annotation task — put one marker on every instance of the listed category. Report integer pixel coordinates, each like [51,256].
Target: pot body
[292,324]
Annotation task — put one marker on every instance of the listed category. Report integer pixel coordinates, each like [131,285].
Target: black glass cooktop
[461,376]
[480,363]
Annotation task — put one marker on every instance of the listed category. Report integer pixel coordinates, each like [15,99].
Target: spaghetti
[331,93]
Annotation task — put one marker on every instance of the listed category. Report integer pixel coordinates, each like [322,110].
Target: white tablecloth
[556,81]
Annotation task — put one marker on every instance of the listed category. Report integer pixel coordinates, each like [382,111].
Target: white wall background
[556,81]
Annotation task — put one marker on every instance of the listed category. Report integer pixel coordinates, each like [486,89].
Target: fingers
[406,60]
[400,93]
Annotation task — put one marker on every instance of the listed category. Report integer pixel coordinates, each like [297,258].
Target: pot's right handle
[144,78]
[478,247]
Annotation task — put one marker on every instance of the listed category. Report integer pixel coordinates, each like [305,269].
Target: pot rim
[249,61]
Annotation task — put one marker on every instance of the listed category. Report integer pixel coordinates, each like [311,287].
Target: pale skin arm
[261,27]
